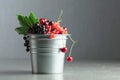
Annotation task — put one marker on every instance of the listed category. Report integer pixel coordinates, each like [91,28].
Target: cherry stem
[73,43]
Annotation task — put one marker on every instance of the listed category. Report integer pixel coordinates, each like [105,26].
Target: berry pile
[45,26]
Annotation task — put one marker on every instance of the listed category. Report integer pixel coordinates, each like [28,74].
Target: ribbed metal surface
[46,56]
[43,43]
[44,50]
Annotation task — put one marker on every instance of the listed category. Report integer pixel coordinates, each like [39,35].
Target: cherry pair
[64,50]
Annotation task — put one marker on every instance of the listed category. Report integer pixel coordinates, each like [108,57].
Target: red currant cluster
[45,26]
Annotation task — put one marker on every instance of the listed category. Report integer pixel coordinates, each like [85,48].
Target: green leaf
[33,18]
[22,21]
[22,30]
[28,21]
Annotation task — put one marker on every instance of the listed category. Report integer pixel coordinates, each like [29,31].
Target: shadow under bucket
[45,53]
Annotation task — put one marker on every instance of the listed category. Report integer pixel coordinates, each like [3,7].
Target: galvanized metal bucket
[46,56]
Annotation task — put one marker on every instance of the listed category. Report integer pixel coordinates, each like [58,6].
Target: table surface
[82,70]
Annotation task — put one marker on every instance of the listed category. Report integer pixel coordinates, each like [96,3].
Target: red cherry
[69,59]
[64,49]
[46,22]
[42,21]
[48,27]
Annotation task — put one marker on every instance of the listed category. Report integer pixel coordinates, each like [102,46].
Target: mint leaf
[33,18]
[28,21]
[22,30]
[22,21]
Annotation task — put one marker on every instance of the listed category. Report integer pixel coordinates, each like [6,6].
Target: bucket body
[46,56]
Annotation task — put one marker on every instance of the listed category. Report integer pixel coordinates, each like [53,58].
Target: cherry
[47,27]
[64,49]
[69,59]
[42,21]
[46,23]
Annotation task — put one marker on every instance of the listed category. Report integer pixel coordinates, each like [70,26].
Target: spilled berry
[64,50]
[69,59]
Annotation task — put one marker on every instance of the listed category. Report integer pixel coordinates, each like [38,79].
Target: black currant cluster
[26,44]
[37,29]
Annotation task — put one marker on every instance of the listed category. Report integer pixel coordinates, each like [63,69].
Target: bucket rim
[47,34]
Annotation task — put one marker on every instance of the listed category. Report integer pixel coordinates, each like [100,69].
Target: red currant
[42,21]
[69,59]
[56,32]
[60,32]
[65,28]
[64,49]
[51,36]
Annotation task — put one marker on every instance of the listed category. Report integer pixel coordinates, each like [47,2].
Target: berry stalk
[59,18]
[73,43]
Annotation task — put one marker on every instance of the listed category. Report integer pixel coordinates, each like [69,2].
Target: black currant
[50,23]
[28,46]
[28,36]
[27,41]
[24,38]
[25,44]
[27,49]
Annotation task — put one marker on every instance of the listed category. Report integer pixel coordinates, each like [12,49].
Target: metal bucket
[46,56]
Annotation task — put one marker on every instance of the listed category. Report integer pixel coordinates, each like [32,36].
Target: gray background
[94,23]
